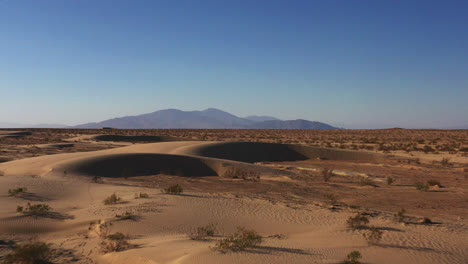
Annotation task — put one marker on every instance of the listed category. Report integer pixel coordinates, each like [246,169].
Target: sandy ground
[287,200]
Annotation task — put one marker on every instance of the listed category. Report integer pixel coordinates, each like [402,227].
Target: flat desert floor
[298,190]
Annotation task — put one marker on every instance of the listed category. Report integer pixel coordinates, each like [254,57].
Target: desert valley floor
[297,189]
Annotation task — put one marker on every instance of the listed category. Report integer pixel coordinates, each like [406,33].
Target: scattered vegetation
[445,162]
[367,182]
[15,192]
[390,180]
[353,257]
[174,189]
[422,187]
[31,253]
[34,209]
[240,240]
[358,221]
[203,232]
[141,195]
[115,242]
[373,235]
[97,179]
[327,174]
[113,199]
[332,199]
[400,216]
[434,183]
[237,173]
[101,228]
[127,216]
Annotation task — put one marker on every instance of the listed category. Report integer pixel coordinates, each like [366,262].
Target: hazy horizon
[359,64]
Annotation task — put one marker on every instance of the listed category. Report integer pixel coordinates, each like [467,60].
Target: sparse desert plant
[331,198]
[141,195]
[434,183]
[115,242]
[203,232]
[96,179]
[353,257]
[367,182]
[34,209]
[101,228]
[113,199]
[31,253]
[327,174]
[400,216]
[422,187]
[127,216]
[15,192]
[237,173]
[240,240]
[445,162]
[373,236]
[390,180]
[358,221]
[174,189]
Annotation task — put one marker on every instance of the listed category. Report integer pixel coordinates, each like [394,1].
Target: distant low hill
[210,118]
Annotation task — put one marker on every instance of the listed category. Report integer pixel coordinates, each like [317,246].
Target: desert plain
[188,196]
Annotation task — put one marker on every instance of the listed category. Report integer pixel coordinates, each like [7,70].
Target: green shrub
[445,162]
[353,257]
[115,242]
[358,221]
[127,216]
[237,173]
[327,174]
[141,195]
[390,180]
[203,232]
[15,192]
[422,187]
[174,189]
[113,199]
[367,182]
[32,253]
[34,209]
[240,240]
[399,216]
[434,183]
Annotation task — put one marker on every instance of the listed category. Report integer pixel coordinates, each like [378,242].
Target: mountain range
[210,118]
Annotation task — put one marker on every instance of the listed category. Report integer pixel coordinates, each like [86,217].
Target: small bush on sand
[141,195]
[34,209]
[32,253]
[331,198]
[240,240]
[115,242]
[237,173]
[434,183]
[445,162]
[400,216]
[15,192]
[422,187]
[96,179]
[127,216]
[367,182]
[373,236]
[100,228]
[390,180]
[113,199]
[358,221]
[203,232]
[353,257]
[174,189]
[327,174]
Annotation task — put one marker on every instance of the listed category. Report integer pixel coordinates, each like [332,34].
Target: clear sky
[366,64]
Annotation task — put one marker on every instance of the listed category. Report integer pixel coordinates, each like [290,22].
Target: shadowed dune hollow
[141,164]
[257,152]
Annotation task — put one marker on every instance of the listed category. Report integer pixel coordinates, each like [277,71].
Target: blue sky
[365,64]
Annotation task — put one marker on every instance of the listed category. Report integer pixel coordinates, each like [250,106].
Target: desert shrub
[174,189]
[14,192]
[34,209]
[400,216]
[327,174]
[353,257]
[32,253]
[428,149]
[390,180]
[96,179]
[332,199]
[367,182]
[115,242]
[434,183]
[239,241]
[422,187]
[425,220]
[445,162]
[141,195]
[101,228]
[357,222]
[113,199]
[203,232]
[373,236]
[237,173]
[126,216]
